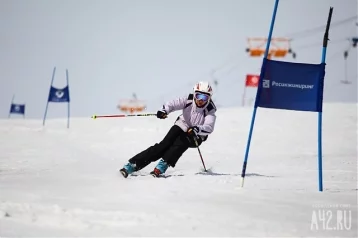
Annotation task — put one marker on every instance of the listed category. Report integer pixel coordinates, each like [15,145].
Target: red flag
[252,80]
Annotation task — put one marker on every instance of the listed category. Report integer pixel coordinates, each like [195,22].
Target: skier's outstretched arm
[175,105]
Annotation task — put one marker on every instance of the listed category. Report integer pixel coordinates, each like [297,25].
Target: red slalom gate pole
[123,115]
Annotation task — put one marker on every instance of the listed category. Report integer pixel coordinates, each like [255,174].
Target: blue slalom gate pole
[257,93]
[12,101]
[68,107]
[323,60]
[53,76]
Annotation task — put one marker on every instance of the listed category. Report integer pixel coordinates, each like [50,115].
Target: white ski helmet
[203,87]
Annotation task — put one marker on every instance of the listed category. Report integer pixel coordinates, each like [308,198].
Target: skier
[190,129]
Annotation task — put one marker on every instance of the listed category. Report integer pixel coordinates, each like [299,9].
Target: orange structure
[279,47]
[132,105]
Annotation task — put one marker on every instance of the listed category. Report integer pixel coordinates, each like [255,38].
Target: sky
[157,49]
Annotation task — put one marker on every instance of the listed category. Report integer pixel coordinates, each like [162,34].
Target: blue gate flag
[59,95]
[17,109]
[291,86]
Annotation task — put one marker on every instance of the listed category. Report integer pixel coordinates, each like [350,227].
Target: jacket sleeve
[209,124]
[175,105]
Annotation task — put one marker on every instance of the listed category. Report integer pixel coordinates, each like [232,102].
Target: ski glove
[193,138]
[162,114]
[193,131]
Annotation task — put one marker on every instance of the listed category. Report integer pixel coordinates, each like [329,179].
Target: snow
[58,182]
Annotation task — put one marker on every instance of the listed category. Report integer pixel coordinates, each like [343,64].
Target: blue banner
[291,86]
[59,95]
[17,109]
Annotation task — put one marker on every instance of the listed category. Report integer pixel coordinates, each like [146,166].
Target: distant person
[195,124]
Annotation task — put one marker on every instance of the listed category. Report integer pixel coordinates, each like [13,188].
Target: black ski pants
[171,148]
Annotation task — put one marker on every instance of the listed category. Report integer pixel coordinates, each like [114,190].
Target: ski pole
[124,115]
[201,157]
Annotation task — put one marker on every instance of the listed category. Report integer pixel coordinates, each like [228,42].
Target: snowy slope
[56,181]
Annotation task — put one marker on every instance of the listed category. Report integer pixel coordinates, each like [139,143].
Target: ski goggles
[202,96]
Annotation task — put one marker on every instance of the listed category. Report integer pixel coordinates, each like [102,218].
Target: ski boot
[161,167]
[128,169]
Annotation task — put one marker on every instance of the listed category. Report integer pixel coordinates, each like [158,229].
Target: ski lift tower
[353,44]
